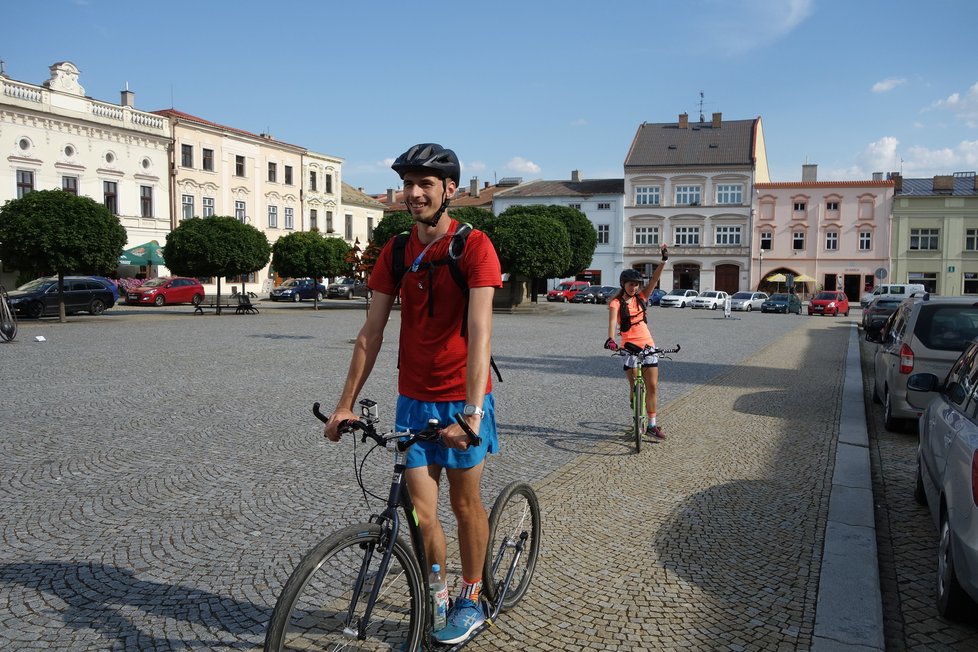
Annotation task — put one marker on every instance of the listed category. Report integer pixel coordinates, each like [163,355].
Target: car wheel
[35,310]
[951,598]
[295,298]
[713,307]
[890,422]
[748,309]
[197,299]
[918,490]
[349,295]
[96,307]
[319,296]
[159,300]
[682,305]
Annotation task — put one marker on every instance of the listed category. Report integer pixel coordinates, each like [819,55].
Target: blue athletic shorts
[413,415]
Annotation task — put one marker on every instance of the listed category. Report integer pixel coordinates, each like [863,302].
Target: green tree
[216,246]
[310,254]
[583,237]
[389,226]
[478,217]
[531,244]
[57,232]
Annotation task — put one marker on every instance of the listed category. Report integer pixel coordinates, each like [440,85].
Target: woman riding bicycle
[627,314]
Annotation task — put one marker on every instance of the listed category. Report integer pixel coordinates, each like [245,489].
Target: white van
[892,290]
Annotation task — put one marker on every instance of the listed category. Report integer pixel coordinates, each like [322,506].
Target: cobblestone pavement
[907,541]
[161,476]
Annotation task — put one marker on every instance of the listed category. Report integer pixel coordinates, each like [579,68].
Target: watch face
[469,410]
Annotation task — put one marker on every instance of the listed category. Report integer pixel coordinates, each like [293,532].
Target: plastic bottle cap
[435,567]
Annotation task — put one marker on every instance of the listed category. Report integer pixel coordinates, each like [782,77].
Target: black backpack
[455,249]
[624,319]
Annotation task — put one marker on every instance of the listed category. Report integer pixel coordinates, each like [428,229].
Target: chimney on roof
[128,97]
[359,188]
[485,185]
[877,176]
[576,176]
[897,180]
[716,120]
[391,196]
[684,121]
[474,187]
[809,173]
[943,182]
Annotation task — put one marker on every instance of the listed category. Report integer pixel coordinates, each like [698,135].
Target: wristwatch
[469,410]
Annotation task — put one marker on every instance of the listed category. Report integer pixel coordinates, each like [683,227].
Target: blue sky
[535,88]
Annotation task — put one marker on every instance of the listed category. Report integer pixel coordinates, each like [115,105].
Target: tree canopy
[531,244]
[215,246]
[389,226]
[580,231]
[309,253]
[56,232]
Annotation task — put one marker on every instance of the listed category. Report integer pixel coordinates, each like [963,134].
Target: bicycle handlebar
[431,433]
[648,350]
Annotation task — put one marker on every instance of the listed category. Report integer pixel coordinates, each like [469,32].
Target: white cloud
[522,165]
[386,163]
[475,167]
[965,107]
[888,84]
[736,28]
[885,155]
[580,122]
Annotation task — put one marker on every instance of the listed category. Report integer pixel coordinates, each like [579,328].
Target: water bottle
[439,598]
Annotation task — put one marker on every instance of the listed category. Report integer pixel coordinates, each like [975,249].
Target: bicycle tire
[515,511]
[312,609]
[638,415]
[8,320]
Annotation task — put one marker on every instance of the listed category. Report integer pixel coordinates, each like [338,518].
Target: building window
[970,283]
[110,196]
[800,206]
[313,220]
[239,166]
[349,226]
[646,235]
[798,240]
[187,206]
[70,184]
[832,206]
[865,241]
[289,218]
[924,239]
[604,206]
[370,228]
[207,159]
[273,217]
[208,203]
[575,206]
[832,241]
[329,222]
[328,183]
[971,239]
[288,175]
[239,211]
[312,180]
[728,236]
[273,172]
[604,233]
[647,196]
[686,235]
[767,240]
[732,193]
[25,182]
[146,201]
[687,195]
[187,156]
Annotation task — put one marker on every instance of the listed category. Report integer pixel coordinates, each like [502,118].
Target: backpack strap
[624,318]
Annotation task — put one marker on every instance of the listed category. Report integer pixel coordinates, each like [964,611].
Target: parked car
[81,294]
[878,310]
[166,290]
[925,335]
[947,476]
[785,302]
[297,289]
[346,288]
[829,302]
[589,295]
[656,297]
[112,285]
[566,290]
[604,293]
[711,299]
[677,298]
[747,301]
[894,291]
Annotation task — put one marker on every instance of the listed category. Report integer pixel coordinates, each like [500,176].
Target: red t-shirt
[433,354]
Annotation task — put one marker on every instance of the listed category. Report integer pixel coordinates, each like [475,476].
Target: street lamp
[760,267]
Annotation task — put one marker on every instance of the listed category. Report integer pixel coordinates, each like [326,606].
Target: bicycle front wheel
[514,522]
[638,414]
[319,608]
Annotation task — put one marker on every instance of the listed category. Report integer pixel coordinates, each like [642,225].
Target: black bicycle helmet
[630,275]
[430,157]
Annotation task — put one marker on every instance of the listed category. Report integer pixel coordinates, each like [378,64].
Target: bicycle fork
[518,546]
[357,628]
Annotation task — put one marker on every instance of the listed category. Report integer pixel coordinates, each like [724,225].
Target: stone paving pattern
[161,475]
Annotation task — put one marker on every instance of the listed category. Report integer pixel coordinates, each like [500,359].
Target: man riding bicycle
[443,365]
[627,314]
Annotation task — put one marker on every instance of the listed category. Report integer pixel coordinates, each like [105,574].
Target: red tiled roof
[186,117]
[823,184]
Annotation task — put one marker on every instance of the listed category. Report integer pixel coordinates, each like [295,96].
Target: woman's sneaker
[655,432]
[464,618]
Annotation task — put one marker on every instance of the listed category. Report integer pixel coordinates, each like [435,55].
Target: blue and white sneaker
[464,618]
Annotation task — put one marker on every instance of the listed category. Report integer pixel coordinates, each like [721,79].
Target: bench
[241,304]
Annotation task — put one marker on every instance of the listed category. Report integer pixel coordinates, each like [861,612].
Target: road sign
[880,273]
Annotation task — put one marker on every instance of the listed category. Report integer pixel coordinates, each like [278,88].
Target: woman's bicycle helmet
[431,157]
[630,275]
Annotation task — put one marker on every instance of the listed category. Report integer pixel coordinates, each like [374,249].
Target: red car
[164,290]
[829,302]
[567,290]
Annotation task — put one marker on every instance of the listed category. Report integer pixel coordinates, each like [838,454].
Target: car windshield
[779,297]
[742,295]
[709,294]
[564,286]
[888,303]
[36,284]
[290,283]
[826,296]
[155,283]
[678,293]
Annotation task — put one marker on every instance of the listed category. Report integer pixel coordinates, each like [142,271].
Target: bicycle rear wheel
[313,612]
[516,512]
[639,418]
